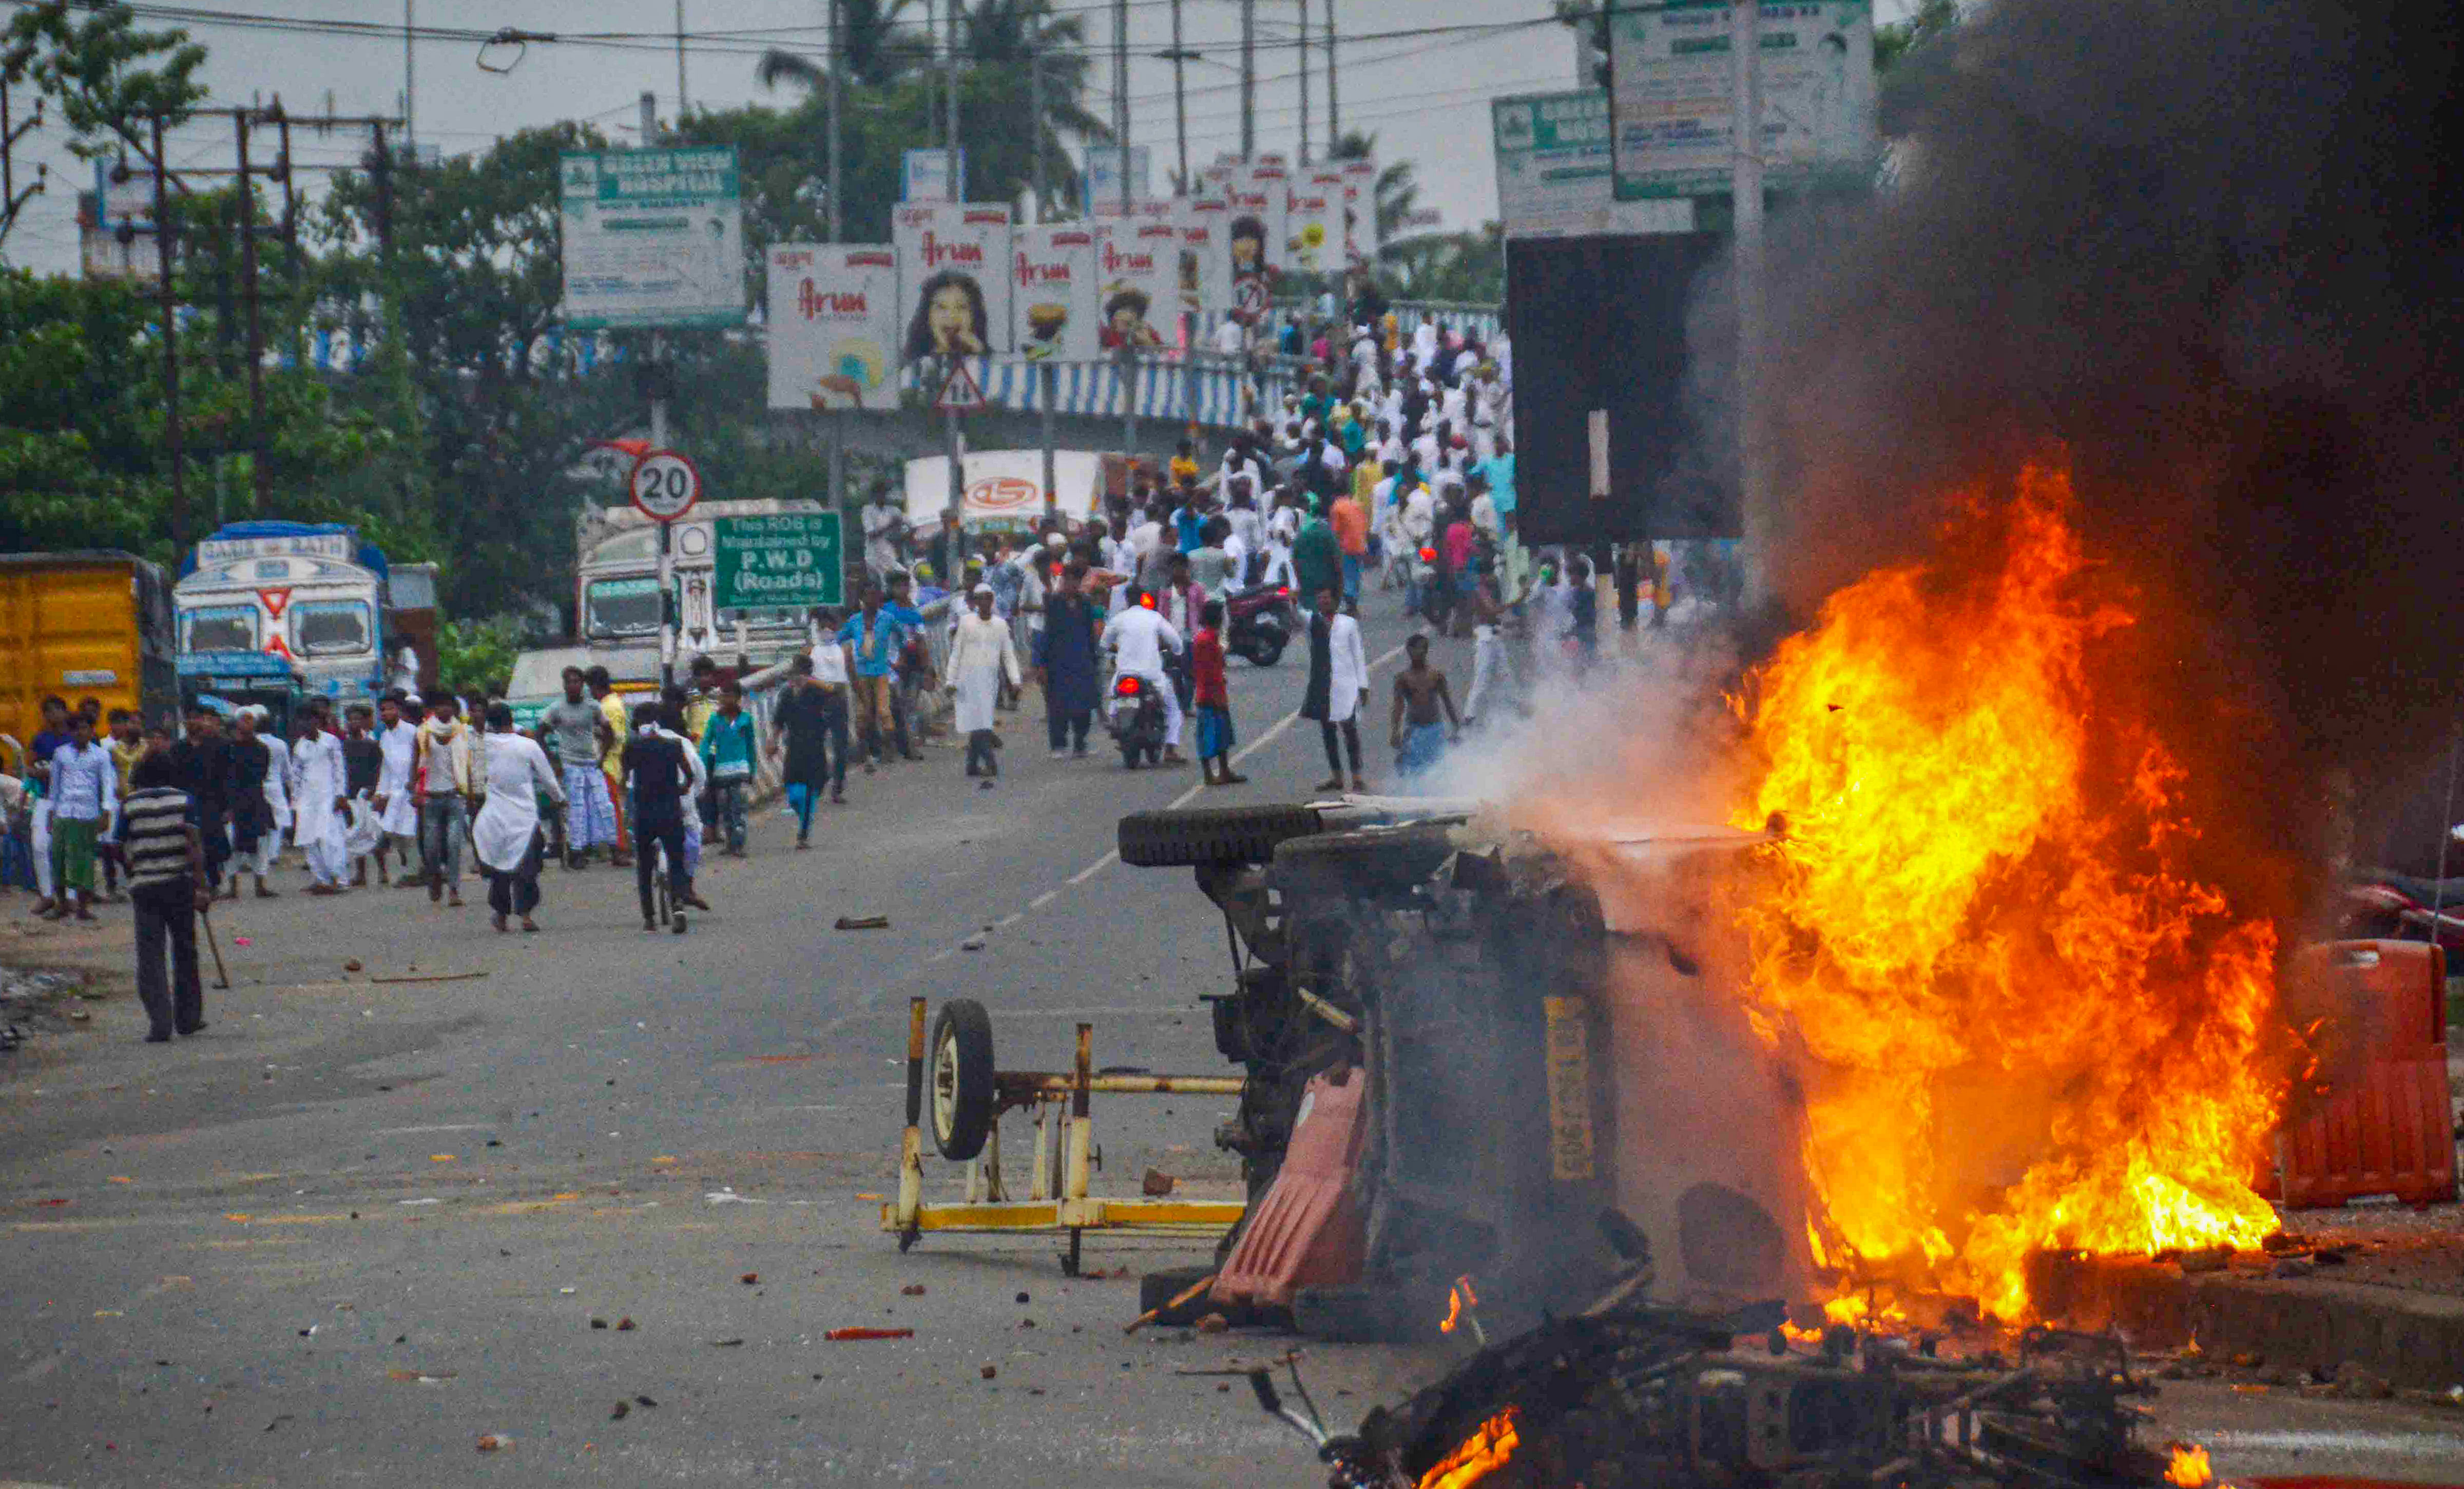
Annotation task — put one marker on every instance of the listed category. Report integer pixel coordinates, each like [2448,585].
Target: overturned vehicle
[1483,1053]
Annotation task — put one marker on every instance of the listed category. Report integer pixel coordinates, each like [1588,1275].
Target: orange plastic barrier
[2389,1128]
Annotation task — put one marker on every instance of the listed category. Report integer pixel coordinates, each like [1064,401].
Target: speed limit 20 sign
[664,486]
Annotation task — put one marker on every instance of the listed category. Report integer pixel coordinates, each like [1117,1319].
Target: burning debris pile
[1628,1393]
[2019,1019]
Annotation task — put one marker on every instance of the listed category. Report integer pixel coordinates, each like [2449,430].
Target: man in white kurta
[319,787]
[506,830]
[982,656]
[399,739]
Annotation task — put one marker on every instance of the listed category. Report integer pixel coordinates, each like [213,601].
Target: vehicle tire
[1155,1289]
[1354,1312]
[1210,834]
[1371,864]
[959,1078]
[1266,654]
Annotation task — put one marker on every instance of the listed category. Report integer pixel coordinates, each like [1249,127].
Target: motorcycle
[2382,905]
[1259,622]
[1134,718]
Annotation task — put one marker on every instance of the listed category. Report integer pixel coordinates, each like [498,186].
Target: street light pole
[1301,38]
[1248,80]
[1180,56]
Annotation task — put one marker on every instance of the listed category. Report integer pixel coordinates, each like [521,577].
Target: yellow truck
[93,623]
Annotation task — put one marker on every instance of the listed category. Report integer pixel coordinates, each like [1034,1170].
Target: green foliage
[475,656]
[107,77]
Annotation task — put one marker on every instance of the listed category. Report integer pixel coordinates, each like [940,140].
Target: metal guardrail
[1194,387]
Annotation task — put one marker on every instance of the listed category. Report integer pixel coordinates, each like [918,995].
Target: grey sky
[1424,97]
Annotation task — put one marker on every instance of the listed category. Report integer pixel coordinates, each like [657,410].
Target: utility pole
[1301,37]
[1746,208]
[950,79]
[837,221]
[1121,96]
[1334,100]
[1035,116]
[1248,80]
[650,118]
[680,62]
[12,200]
[247,209]
[170,347]
[1182,56]
[410,93]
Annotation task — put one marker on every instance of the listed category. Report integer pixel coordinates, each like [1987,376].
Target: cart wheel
[960,1077]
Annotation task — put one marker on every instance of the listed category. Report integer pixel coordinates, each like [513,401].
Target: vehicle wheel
[959,1078]
[1371,864]
[1158,1288]
[1266,654]
[1211,834]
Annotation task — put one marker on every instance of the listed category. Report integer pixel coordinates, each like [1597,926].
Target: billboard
[1314,221]
[954,275]
[926,176]
[1360,239]
[834,325]
[1102,175]
[1138,272]
[1206,256]
[1674,109]
[1053,292]
[1260,192]
[651,237]
[1004,488]
[1554,174]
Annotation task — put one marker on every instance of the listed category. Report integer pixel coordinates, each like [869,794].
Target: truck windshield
[219,628]
[330,627]
[621,608]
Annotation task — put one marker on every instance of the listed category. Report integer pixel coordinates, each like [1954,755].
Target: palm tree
[1398,191]
[1003,36]
[874,49]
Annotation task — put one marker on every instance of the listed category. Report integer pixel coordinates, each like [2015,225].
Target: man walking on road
[1420,692]
[728,752]
[442,784]
[982,659]
[1065,652]
[1317,558]
[323,799]
[83,791]
[507,833]
[577,729]
[659,782]
[1338,686]
[874,636]
[810,715]
[612,714]
[397,738]
[166,884]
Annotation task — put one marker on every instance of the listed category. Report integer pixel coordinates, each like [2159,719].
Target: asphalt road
[356,1227]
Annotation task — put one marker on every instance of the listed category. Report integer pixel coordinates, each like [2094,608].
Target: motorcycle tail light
[1127,688]
[1428,555]
[1283,593]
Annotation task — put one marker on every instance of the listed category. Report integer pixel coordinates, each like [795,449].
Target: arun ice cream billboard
[955,275]
[1053,292]
[834,325]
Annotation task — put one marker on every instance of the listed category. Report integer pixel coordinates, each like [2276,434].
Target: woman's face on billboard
[952,317]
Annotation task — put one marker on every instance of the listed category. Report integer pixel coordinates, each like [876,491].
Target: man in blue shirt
[1499,468]
[911,677]
[876,634]
[82,787]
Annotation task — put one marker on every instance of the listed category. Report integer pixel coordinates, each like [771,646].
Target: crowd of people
[1393,465]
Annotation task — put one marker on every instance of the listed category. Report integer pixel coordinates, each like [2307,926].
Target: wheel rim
[945,1086]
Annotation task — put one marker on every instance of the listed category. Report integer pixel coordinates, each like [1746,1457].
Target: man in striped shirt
[166,883]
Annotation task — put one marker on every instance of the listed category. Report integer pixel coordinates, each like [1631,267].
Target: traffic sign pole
[664,486]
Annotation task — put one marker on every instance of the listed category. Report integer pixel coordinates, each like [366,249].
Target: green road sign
[764,561]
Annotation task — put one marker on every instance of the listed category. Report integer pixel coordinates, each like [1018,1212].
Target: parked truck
[90,623]
[315,595]
[616,603]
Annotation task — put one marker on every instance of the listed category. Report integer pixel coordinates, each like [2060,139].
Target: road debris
[352,966]
[989,1371]
[1176,1300]
[724,1343]
[861,922]
[496,1442]
[851,1335]
[750,1277]
[625,1326]
[424,977]
[1157,1184]
[599,1324]
[624,1410]
[912,1290]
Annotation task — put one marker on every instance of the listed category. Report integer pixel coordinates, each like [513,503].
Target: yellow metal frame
[1057,1199]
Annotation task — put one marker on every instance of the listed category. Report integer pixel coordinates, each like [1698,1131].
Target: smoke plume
[2207,251]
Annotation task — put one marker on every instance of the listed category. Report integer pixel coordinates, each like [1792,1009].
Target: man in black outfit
[165,861]
[202,760]
[655,770]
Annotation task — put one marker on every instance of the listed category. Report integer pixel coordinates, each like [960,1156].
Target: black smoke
[2212,252]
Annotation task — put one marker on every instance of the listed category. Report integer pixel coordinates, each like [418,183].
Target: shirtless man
[1422,698]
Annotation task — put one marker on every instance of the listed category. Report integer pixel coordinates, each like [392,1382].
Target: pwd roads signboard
[768,562]
[652,237]
[1674,111]
[1556,177]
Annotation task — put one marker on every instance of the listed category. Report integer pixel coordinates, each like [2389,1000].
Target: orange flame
[2023,1023]
[1458,1298]
[2190,1468]
[1477,1456]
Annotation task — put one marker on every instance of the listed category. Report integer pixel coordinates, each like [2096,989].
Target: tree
[1894,40]
[875,50]
[109,79]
